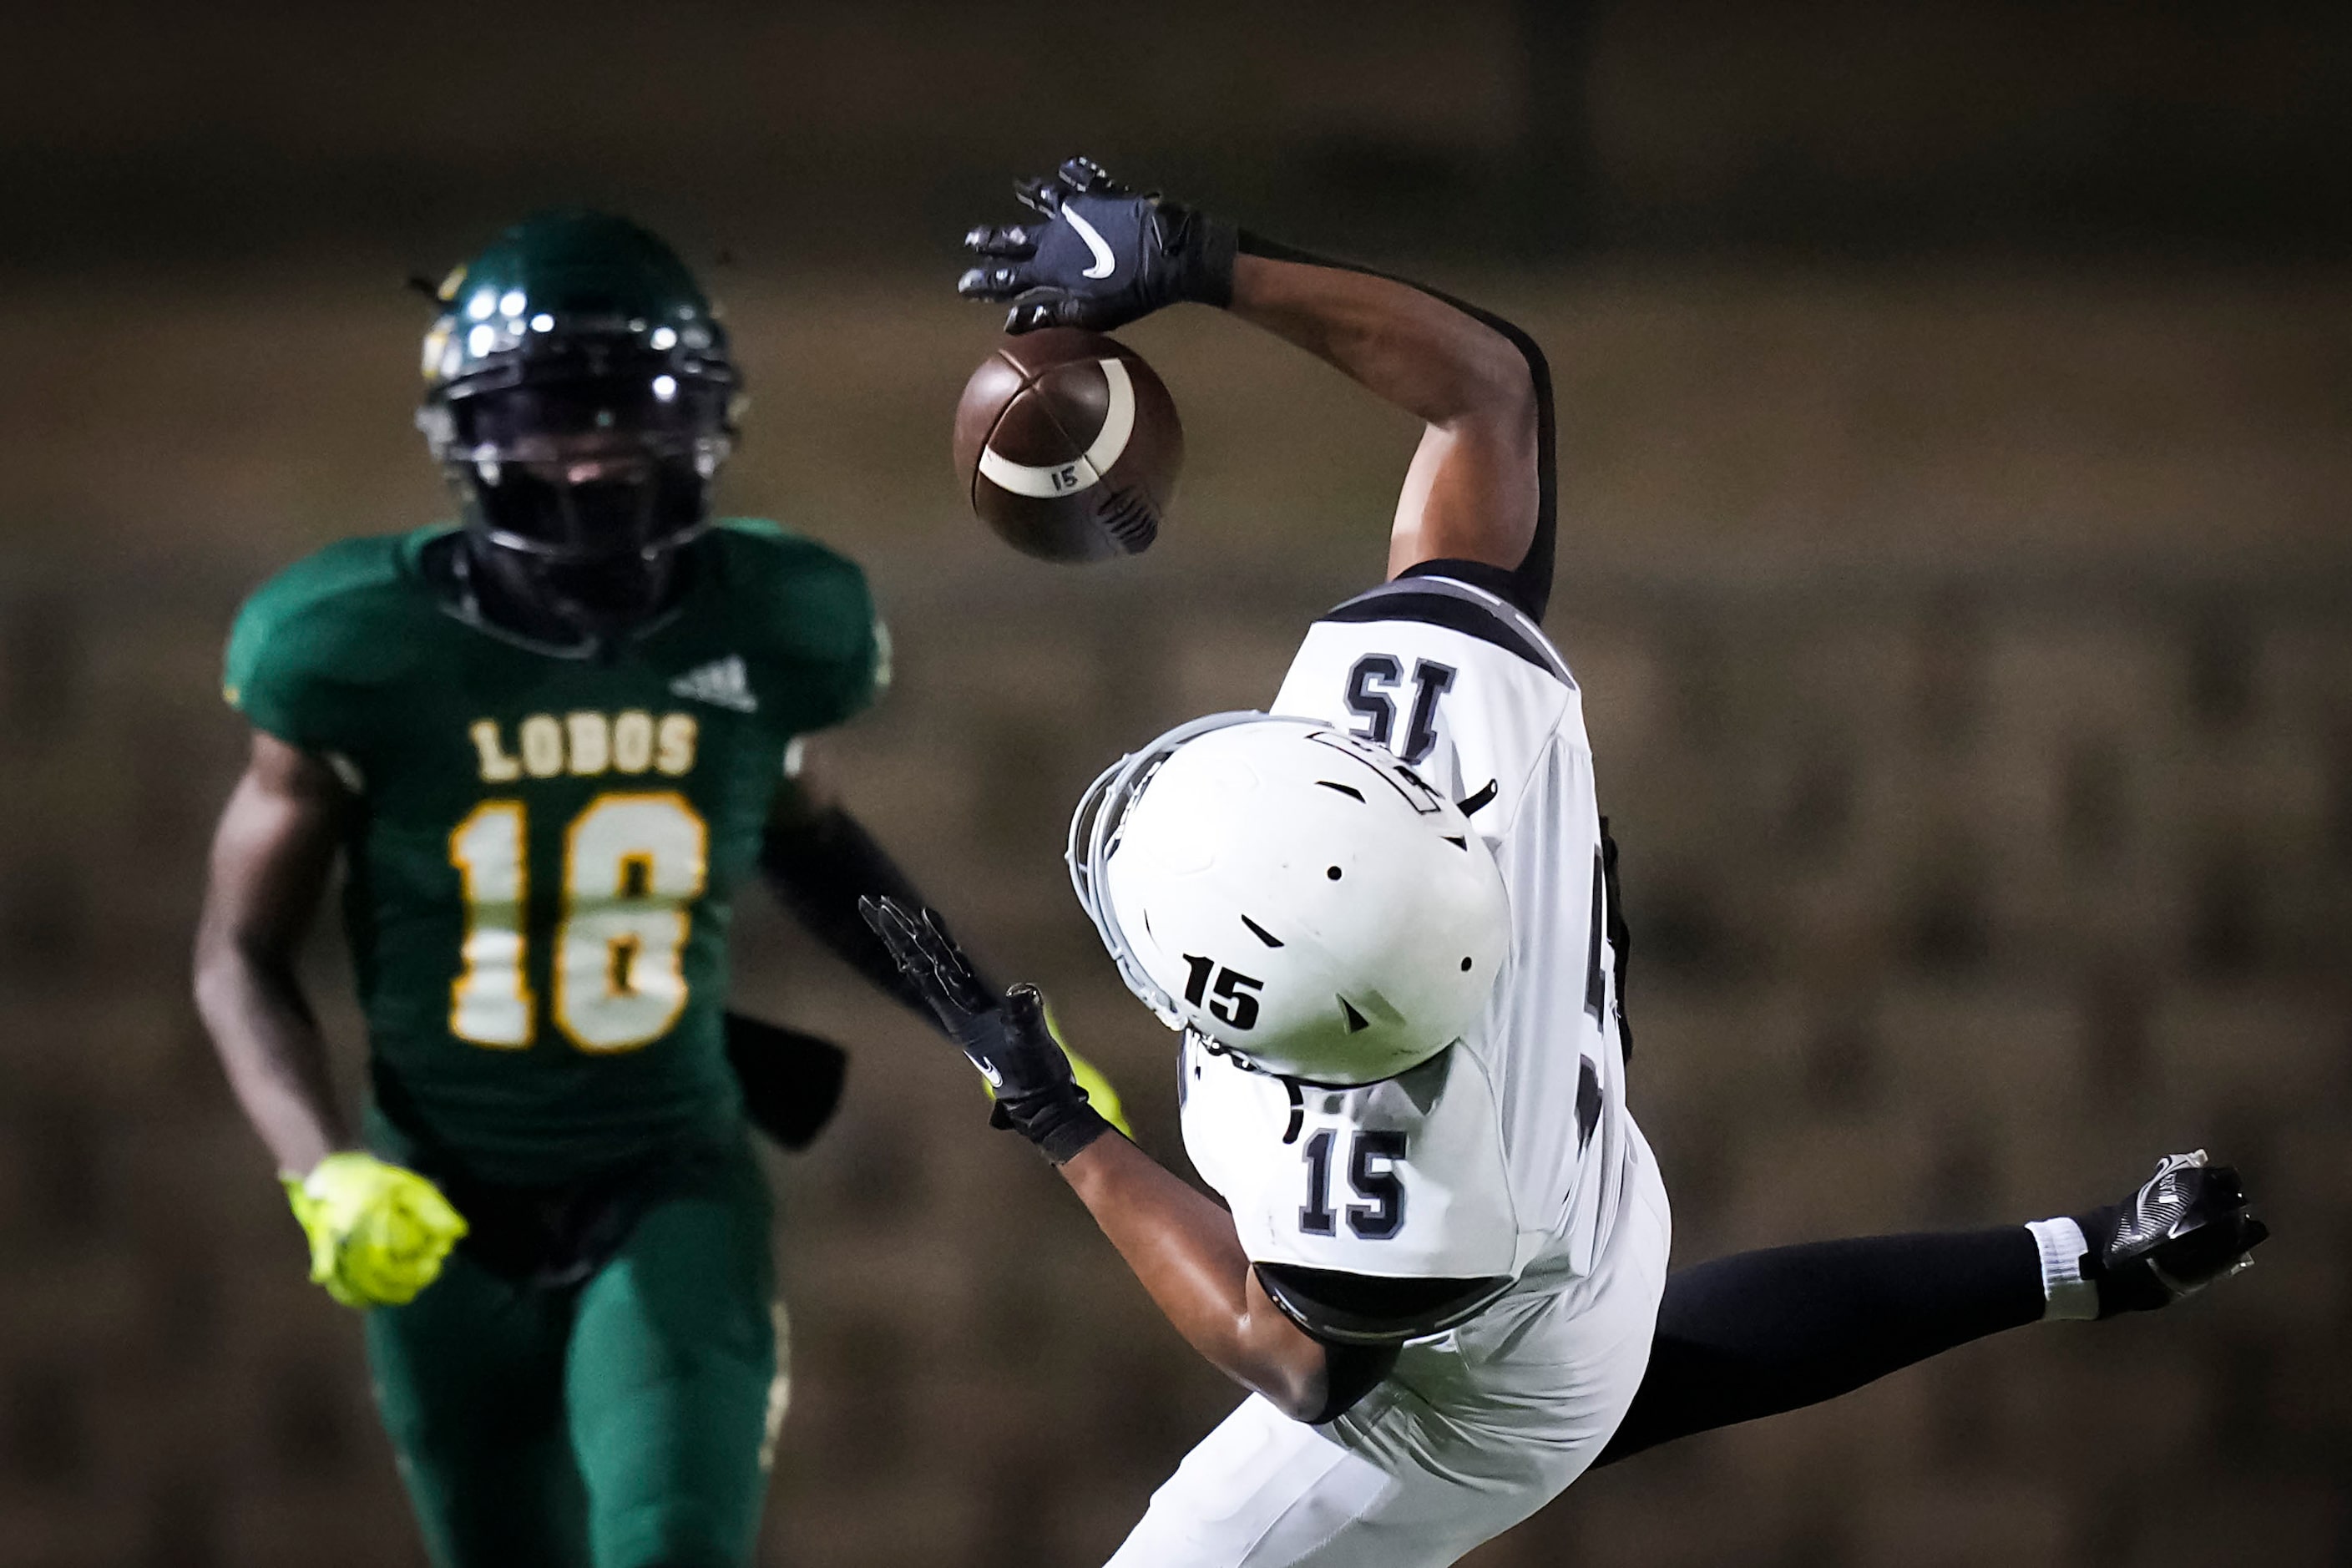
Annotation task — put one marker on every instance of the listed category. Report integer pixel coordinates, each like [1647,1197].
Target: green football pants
[624,1422]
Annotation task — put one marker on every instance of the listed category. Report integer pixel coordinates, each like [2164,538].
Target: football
[1068,446]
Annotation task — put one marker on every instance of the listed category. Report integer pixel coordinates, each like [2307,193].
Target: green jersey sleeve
[290,651]
[264,691]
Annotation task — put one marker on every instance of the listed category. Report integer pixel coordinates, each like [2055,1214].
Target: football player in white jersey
[1384,918]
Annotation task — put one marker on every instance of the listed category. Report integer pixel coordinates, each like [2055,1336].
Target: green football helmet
[580,396]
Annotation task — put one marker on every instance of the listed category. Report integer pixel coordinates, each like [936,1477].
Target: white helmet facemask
[1294,895]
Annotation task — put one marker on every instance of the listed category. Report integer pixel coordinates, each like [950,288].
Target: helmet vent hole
[1333,872]
[1459,843]
[1260,932]
[1349,790]
[1466,966]
[1357,1022]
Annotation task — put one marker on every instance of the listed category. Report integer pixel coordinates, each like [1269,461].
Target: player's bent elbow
[1298,1394]
[1498,380]
[231,966]
[217,965]
[1294,1376]
[1508,387]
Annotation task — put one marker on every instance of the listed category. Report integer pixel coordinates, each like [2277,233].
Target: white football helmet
[1296,896]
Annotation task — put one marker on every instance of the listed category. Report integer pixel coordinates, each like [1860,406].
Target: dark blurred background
[1956,428]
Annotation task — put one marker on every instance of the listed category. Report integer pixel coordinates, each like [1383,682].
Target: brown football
[1068,445]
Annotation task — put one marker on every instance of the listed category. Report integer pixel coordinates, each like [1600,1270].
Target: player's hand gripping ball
[378,1233]
[1069,446]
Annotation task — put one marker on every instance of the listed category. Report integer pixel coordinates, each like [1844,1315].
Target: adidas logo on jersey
[722,683]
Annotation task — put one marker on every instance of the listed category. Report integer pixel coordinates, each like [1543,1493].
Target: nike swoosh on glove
[1101,256]
[2185,1227]
[378,1232]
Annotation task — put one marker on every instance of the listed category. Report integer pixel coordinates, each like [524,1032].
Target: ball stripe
[1069,478]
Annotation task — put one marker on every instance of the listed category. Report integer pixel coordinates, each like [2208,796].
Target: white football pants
[1473,1431]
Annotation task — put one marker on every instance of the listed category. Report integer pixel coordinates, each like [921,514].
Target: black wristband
[1207,248]
[1060,1126]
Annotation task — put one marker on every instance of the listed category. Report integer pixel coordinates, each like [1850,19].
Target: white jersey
[1502,1159]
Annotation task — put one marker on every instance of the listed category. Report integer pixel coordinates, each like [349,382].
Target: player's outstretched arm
[823,864]
[1472,491]
[820,861]
[271,856]
[1182,1247]
[1184,1251]
[378,1233]
[1482,488]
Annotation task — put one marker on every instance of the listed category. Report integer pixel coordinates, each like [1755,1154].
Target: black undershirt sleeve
[1528,585]
[819,866]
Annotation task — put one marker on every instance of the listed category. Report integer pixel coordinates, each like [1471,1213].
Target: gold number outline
[465,976]
[681,913]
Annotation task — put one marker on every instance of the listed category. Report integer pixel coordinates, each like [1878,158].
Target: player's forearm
[1410,347]
[1474,491]
[271,858]
[820,861]
[270,1047]
[1183,1250]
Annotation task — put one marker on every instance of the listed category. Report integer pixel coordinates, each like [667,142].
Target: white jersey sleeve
[1515,1163]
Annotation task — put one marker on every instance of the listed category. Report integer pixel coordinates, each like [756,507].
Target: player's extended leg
[1762,1332]
[673,1382]
[469,1380]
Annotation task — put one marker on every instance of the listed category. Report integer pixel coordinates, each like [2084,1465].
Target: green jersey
[541,866]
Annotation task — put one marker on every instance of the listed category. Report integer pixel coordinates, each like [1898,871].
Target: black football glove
[1103,255]
[2185,1227]
[1007,1040]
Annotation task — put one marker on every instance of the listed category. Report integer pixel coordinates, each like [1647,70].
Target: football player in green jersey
[550,743]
